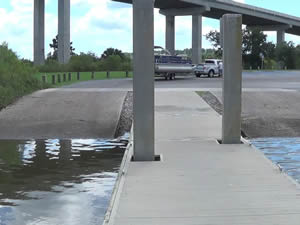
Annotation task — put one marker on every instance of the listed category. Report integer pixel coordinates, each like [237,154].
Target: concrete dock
[200,181]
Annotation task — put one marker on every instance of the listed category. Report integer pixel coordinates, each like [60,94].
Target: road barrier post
[127,74]
[58,78]
[53,79]
[44,79]
[64,77]
[232,82]
[93,75]
[69,76]
[107,74]
[78,75]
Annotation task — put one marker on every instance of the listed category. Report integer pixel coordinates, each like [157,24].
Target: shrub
[52,65]
[83,63]
[88,62]
[16,77]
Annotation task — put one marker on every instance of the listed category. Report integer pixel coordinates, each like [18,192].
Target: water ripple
[285,152]
[57,181]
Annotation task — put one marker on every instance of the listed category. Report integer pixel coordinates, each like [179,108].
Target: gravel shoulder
[126,117]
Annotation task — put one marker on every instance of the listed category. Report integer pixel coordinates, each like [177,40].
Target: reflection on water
[57,181]
[282,151]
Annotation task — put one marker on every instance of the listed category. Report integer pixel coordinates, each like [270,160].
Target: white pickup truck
[210,67]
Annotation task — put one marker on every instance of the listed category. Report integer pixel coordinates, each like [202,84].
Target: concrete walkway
[202,182]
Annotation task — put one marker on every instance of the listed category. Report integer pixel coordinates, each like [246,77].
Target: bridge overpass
[264,19]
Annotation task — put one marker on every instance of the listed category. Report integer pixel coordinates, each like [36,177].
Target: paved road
[278,79]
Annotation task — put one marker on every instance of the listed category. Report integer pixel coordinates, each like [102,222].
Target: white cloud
[241,1]
[16,26]
[100,25]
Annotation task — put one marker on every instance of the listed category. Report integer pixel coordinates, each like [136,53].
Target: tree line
[257,52]
[111,60]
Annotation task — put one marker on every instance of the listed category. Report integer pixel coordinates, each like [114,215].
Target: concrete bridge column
[197,39]
[39,32]
[64,31]
[280,36]
[232,81]
[143,79]
[170,34]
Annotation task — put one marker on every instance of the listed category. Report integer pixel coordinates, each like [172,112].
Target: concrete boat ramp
[198,180]
[63,113]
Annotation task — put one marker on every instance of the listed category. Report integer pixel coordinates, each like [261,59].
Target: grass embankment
[84,76]
[16,77]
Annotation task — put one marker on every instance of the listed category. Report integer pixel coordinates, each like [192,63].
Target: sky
[99,24]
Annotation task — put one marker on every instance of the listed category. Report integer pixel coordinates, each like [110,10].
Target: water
[285,152]
[57,181]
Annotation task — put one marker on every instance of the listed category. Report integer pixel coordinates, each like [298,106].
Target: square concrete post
[170,34]
[232,81]
[197,39]
[280,36]
[39,32]
[143,79]
[64,31]
[221,32]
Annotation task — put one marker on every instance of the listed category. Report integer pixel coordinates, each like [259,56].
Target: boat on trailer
[168,66]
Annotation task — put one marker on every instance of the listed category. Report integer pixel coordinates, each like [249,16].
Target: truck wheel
[211,73]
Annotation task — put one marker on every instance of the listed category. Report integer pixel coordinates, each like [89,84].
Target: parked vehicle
[210,67]
[169,66]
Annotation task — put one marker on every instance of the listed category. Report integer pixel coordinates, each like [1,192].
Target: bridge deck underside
[252,16]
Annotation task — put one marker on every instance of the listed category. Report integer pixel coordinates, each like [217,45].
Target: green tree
[83,62]
[186,51]
[214,38]
[254,43]
[111,63]
[54,46]
[286,55]
[210,54]
[111,52]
